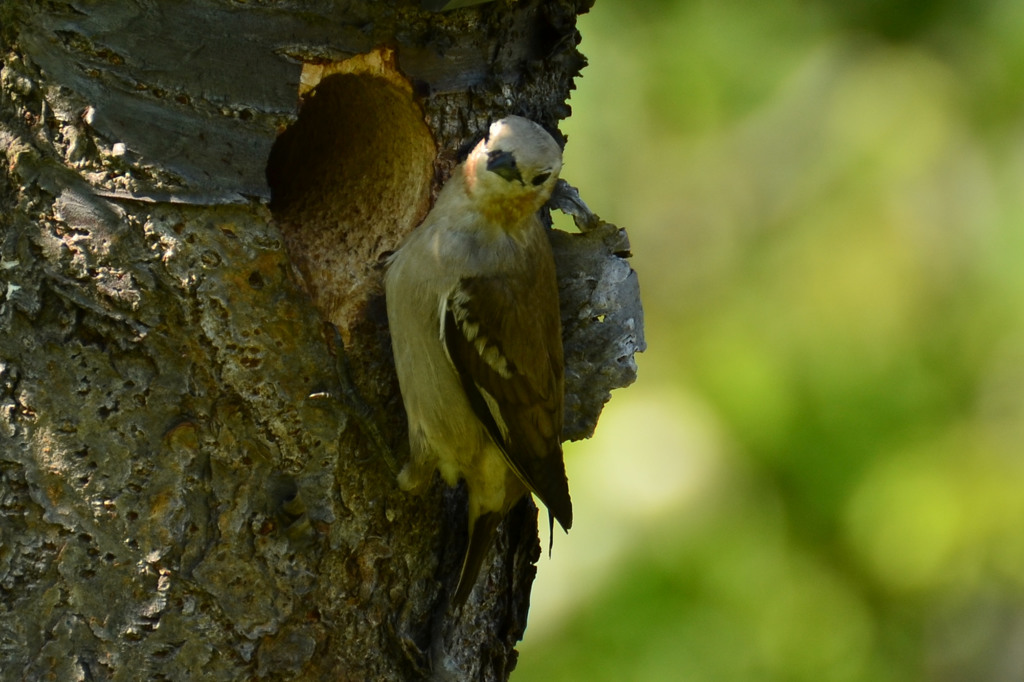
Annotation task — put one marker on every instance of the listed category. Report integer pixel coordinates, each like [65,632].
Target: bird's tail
[481,536]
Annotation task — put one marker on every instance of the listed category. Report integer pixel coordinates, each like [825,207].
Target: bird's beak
[504,164]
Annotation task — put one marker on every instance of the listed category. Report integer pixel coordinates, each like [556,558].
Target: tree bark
[185,492]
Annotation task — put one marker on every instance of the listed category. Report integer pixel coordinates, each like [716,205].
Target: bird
[472,305]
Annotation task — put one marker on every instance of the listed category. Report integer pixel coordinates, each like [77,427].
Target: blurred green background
[820,473]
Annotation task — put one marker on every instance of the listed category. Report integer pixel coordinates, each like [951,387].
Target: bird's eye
[539,178]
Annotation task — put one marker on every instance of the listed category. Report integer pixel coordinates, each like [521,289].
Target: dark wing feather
[514,356]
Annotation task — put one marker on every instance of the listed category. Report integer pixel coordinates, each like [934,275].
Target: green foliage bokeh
[820,473]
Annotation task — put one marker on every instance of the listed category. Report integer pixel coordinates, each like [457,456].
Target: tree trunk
[185,490]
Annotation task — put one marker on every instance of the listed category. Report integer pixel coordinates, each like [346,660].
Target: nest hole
[348,179]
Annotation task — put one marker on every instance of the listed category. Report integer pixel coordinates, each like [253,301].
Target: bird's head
[510,174]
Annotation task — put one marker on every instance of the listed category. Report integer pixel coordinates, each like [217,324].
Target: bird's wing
[510,363]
